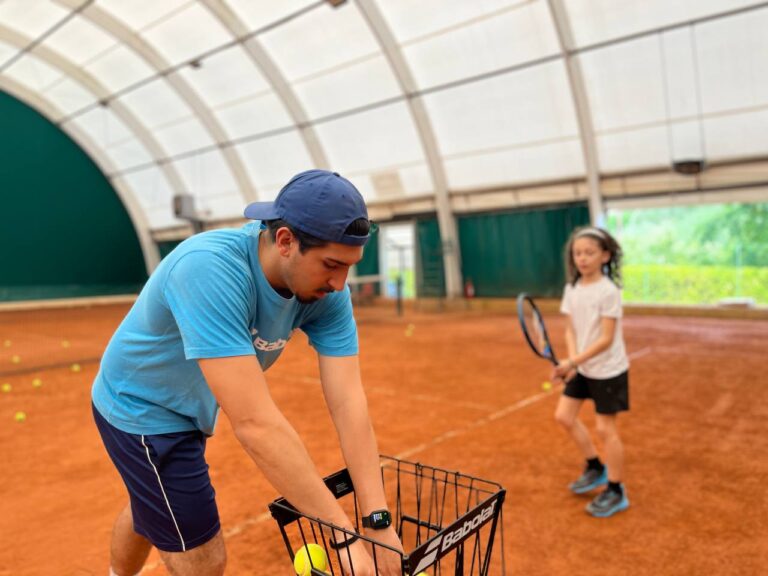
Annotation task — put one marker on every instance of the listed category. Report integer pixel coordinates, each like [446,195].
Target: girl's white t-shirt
[587,305]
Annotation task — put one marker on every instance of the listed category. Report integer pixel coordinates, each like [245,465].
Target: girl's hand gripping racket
[534,329]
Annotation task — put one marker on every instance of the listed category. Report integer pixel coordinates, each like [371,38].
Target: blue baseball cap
[317,202]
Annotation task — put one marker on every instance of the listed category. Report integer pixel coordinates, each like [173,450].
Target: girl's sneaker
[607,503]
[590,480]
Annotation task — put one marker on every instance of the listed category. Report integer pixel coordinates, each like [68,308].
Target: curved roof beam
[581,104]
[135,211]
[115,28]
[448,232]
[89,82]
[272,73]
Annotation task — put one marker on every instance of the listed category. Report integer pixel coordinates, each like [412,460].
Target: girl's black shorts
[610,395]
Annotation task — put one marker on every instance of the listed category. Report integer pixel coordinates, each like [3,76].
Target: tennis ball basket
[446,521]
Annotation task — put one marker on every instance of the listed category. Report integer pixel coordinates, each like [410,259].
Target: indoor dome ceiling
[226,99]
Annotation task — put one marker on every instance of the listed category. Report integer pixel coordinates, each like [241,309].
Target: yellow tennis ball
[37,382]
[76,368]
[6,387]
[546,385]
[313,552]
[20,417]
[15,359]
[65,343]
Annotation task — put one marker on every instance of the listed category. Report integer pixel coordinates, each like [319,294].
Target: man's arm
[241,390]
[345,397]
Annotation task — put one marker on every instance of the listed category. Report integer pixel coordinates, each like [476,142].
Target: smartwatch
[377,519]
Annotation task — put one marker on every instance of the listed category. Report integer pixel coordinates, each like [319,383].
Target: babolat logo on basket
[453,535]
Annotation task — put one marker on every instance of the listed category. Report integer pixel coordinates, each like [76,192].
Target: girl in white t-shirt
[597,364]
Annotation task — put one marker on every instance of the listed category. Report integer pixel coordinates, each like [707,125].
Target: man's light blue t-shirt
[208,298]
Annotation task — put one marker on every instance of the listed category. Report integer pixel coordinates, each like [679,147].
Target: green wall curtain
[63,230]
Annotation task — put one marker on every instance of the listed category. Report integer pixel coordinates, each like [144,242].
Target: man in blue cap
[216,313]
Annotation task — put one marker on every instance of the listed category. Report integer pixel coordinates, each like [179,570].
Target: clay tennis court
[462,392]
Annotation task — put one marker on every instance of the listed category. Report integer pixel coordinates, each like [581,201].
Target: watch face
[380,519]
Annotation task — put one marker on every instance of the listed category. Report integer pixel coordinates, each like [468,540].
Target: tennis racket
[534,330]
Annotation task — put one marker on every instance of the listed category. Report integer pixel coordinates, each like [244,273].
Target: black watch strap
[338,545]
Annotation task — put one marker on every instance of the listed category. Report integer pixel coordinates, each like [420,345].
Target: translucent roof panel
[731,58]
[69,96]
[153,194]
[257,14]
[484,41]
[118,68]
[272,161]
[595,21]
[526,108]
[625,84]
[330,38]
[33,73]
[157,104]
[139,14]
[79,41]
[207,177]
[378,140]
[634,149]
[186,33]
[30,18]
[113,137]
[241,99]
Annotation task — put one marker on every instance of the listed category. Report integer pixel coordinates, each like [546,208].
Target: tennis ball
[15,359]
[313,552]
[65,343]
[37,382]
[20,417]
[6,387]
[76,368]
[546,385]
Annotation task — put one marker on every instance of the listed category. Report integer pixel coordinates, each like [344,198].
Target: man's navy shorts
[172,499]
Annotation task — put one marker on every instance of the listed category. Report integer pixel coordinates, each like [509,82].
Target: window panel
[530,105]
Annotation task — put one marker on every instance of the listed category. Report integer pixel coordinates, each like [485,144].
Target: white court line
[519,405]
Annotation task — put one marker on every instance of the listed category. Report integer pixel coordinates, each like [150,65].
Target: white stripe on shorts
[160,482]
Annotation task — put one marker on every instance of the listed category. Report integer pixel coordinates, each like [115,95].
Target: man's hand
[388,563]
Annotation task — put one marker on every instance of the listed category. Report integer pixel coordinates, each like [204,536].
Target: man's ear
[284,240]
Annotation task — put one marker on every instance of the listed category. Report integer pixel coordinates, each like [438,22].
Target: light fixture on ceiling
[689,167]
[336,3]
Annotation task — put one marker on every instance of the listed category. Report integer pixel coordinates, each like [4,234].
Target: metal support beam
[581,104]
[448,231]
